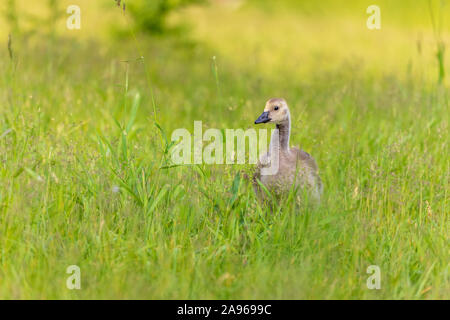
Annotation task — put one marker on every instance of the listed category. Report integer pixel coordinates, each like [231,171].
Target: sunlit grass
[80,160]
[280,40]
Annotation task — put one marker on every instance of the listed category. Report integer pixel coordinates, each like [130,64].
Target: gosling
[293,167]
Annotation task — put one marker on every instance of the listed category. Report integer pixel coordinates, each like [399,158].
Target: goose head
[276,111]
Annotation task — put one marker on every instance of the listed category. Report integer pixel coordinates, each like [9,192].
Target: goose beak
[264,118]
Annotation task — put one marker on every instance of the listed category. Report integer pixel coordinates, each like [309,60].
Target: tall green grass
[82,184]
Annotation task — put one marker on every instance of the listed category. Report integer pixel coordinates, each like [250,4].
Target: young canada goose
[295,167]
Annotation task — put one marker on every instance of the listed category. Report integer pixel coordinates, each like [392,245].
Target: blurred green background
[85,123]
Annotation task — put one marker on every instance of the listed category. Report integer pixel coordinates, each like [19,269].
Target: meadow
[85,123]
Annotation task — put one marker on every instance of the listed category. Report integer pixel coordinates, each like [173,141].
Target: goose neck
[284,131]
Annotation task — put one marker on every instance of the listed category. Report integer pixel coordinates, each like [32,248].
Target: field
[85,123]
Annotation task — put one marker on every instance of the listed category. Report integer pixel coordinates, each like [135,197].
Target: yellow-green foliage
[80,154]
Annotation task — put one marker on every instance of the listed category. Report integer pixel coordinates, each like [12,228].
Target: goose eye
[276,108]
